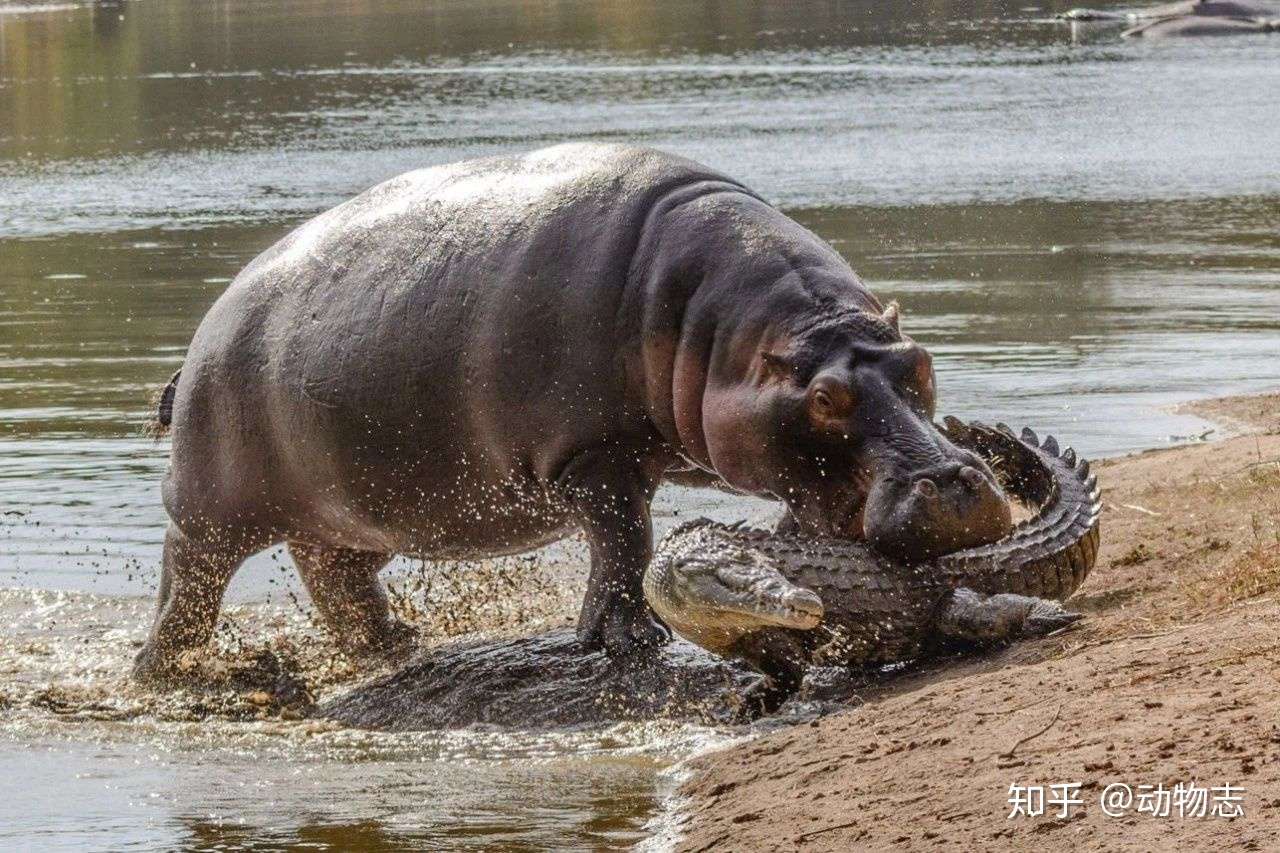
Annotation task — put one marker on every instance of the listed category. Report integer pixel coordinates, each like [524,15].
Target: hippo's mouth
[922,506]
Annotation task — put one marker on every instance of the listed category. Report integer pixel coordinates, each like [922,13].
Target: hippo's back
[452,325]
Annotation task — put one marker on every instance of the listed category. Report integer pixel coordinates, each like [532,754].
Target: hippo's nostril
[972,477]
[926,488]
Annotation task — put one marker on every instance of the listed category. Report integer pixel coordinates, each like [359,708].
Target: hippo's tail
[158,425]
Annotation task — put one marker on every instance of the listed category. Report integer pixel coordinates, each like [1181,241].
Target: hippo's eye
[830,402]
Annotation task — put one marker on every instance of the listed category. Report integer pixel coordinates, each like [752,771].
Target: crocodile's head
[713,591]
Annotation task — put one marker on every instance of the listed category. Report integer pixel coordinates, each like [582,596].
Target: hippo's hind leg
[353,604]
[197,569]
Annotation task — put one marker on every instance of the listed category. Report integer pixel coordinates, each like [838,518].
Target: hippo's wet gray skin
[482,358]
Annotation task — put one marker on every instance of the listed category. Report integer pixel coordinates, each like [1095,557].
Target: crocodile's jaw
[719,630]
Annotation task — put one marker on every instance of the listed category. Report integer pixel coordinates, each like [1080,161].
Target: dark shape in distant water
[1191,26]
[1199,8]
[1189,18]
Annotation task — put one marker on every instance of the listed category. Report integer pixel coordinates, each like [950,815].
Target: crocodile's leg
[972,617]
[781,657]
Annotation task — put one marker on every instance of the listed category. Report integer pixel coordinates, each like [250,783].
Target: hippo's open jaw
[914,514]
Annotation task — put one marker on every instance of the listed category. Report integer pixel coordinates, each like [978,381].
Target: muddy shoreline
[1171,679]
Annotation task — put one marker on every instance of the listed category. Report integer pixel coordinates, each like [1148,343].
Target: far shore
[1173,677]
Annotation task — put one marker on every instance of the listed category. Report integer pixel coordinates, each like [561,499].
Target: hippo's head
[837,421]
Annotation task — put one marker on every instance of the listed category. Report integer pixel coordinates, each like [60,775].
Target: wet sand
[1172,678]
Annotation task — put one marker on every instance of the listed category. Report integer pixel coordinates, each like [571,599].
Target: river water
[1084,230]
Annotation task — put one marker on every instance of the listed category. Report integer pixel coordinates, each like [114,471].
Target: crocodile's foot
[759,700]
[973,617]
[1046,617]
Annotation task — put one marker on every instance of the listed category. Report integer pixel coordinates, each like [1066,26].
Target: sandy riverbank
[1174,677]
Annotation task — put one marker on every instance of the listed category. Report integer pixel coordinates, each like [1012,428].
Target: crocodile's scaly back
[1050,554]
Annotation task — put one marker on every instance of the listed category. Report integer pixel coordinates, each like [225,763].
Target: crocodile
[782,601]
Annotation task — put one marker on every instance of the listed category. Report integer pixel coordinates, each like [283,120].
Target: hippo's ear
[892,314]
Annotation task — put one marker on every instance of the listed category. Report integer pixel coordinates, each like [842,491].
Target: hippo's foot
[393,642]
[621,631]
[154,669]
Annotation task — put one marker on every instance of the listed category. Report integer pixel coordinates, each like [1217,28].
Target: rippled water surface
[1084,230]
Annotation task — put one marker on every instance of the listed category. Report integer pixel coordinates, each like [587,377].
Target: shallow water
[104,765]
[1083,230]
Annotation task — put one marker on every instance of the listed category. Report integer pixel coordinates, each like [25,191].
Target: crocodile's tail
[157,426]
[1050,554]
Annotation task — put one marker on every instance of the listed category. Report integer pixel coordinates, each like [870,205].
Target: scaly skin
[782,602]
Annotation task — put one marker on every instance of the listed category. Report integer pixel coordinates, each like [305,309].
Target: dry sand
[1174,677]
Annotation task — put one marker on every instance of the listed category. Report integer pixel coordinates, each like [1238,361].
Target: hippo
[483,358]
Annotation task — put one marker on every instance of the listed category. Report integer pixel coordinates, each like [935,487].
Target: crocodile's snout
[749,592]
[798,608]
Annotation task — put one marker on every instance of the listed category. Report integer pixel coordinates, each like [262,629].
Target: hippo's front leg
[609,492]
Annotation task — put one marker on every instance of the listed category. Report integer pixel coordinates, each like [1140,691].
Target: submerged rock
[543,681]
